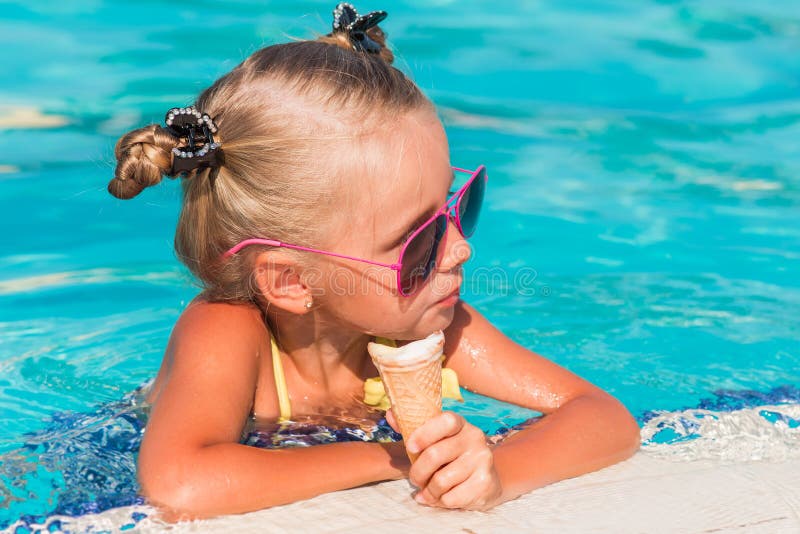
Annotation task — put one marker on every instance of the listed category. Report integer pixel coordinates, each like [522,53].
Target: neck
[322,354]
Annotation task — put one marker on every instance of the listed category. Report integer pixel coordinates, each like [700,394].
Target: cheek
[366,300]
[406,319]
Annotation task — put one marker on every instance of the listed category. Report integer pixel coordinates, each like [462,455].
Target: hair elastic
[346,20]
[201,150]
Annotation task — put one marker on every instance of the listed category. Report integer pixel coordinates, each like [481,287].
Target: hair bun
[144,156]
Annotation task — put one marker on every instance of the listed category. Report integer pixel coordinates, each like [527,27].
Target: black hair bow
[346,19]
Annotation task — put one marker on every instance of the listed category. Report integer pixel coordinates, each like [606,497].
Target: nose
[456,250]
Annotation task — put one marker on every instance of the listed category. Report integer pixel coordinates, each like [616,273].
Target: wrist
[399,464]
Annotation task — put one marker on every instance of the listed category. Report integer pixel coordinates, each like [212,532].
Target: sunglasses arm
[275,243]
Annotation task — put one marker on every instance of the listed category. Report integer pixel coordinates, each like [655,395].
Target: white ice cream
[422,350]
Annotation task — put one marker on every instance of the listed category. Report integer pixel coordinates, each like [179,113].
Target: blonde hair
[282,114]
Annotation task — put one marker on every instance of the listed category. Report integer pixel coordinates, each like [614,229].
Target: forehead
[409,160]
[409,172]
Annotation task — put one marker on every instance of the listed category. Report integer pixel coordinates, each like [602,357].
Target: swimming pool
[641,226]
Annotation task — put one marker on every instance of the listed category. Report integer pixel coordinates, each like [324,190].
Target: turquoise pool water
[645,186]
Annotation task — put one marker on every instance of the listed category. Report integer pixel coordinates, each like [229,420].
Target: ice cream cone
[412,376]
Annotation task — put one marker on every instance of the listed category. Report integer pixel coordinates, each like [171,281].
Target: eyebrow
[427,214]
[424,216]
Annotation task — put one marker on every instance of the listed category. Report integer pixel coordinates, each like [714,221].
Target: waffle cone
[414,385]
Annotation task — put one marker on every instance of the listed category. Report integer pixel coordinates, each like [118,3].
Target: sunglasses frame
[450,209]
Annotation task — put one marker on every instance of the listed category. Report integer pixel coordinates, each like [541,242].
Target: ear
[278,278]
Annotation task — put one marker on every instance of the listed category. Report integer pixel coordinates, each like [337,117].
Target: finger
[446,478]
[432,459]
[443,425]
[475,493]
[392,421]
[443,452]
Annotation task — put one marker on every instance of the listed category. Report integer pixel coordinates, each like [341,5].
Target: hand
[455,468]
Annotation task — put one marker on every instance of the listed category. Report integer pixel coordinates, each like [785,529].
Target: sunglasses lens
[469,207]
[419,256]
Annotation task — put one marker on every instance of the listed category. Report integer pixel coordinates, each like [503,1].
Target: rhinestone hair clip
[201,150]
[347,20]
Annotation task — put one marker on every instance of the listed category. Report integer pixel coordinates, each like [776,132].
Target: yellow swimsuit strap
[385,341]
[280,381]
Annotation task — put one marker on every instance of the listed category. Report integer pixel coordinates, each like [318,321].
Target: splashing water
[732,427]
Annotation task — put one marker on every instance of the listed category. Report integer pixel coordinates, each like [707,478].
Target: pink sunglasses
[418,256]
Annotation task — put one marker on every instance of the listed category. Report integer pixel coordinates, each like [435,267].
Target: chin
[433,319]
[439,318]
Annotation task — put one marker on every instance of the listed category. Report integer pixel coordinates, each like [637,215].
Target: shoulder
[214,339]
[219,331]
[202,317]
[490,363]
[471,334]
[205,389]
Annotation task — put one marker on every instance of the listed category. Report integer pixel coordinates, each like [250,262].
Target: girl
[317,213]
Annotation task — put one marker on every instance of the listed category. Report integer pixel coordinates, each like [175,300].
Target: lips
[455,293]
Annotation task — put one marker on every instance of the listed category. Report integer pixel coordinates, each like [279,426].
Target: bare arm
[583,435]
[232,478]
[191,461]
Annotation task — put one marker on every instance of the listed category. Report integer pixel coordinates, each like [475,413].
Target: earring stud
[309,304]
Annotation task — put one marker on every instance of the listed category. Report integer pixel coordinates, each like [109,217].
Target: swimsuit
[374,392]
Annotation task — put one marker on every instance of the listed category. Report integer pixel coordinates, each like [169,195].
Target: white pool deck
[644,494]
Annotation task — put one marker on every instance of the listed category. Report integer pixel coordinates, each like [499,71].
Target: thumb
[391,420]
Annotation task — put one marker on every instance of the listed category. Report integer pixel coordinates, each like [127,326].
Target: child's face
[401,180]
